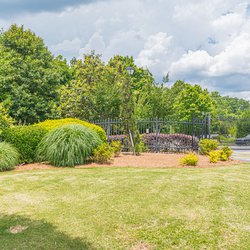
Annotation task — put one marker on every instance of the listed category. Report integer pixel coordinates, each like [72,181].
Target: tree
[29,75]
[192,102]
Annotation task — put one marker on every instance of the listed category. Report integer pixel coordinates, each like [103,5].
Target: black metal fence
[161,135]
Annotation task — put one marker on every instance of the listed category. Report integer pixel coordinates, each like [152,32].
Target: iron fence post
[157,134]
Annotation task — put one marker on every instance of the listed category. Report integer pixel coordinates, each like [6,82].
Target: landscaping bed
[148,160]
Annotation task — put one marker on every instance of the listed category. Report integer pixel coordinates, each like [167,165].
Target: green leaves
[29,75]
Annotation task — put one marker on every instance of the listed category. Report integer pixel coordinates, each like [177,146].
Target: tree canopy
[36,85]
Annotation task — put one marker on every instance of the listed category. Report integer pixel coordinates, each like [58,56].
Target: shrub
[222,155]
[189,160]
[140,147]
[227,151]
[5,119]
[9,156]
[103,154]
[68,145]
[214,156]
[117,147]
[25,139]
[207,145]
[52,124]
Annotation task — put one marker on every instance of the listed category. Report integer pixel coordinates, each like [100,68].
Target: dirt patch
[35,166]
[146,160]
[17,229]
[142,246]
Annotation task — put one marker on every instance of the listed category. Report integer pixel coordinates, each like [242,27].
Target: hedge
[52,124]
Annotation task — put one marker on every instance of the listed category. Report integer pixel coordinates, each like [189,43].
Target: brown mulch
[146,160]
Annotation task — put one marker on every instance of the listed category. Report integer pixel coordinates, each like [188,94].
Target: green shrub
[117,147]
[189,160]
[227,151]
[207,145]
[140,148]
[214,156]
[222,155]
[68,145]
[9,156]
[103,154]
[5,119]
[52,124]
[25,139]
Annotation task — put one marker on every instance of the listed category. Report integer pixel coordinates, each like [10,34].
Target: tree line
[35,86]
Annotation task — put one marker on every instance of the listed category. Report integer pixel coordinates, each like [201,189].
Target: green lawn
[126,208]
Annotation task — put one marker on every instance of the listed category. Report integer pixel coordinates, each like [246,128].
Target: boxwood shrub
[68,145]
[25,139]
[51,124]
[208,145]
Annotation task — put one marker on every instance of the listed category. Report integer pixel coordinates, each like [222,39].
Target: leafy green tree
[92,93]
[192,102]
[29,75]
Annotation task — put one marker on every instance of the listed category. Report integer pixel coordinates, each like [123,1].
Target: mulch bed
[146,160]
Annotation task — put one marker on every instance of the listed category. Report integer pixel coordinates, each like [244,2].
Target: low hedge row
[52,124]
[26,138]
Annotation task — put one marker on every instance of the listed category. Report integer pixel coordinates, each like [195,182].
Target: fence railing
[160,135]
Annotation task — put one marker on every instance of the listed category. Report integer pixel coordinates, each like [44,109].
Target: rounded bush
[25,139]
[52,124]
[68,145]
[189,160]
[9,156]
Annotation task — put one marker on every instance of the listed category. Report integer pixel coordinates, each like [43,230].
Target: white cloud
[234,59]
[202,41]
[96,42]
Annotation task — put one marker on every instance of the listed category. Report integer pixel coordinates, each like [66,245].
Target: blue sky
[206,42]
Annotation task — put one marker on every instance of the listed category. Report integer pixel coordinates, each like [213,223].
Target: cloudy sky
[197,40]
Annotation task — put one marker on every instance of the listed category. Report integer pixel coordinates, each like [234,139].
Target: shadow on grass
[17,232]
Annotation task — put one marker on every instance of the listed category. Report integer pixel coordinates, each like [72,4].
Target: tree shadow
[17,232]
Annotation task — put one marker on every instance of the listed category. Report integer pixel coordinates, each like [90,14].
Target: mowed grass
[126,208]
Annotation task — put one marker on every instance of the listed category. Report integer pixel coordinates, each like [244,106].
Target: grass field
[126,208]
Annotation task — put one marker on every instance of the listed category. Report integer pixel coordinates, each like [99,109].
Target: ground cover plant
[126,208]
[68,145]
[9,157]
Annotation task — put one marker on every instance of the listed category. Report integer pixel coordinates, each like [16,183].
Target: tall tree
[29,75]
[192,102]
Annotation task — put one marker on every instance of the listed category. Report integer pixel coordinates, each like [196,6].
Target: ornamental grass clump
[9,156]
[68,145]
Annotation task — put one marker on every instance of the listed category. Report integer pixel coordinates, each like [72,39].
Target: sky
[198,41]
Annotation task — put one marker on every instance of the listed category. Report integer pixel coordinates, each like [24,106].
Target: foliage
[208,145]
[117,147]
[223,154]
[25,139]
[189,160]
[29,75]
[103,154]
[5,119]
[227,151]
[52,124]
[140,148]
[9,156]
[68,145]
[214,156]
[192,102]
